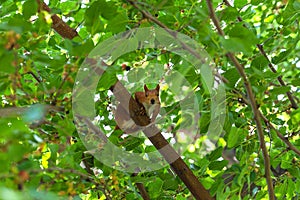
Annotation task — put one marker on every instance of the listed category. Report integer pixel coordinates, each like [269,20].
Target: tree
[232,115]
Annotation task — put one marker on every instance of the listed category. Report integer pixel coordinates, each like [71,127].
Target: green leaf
[8,7]
[20,24]
[281,57]
[296,82]
[240,3]
[241,39]
[296,5]
[233,136]
[29,8]
[16,152]
[240,31]
[7,27]
[108,9]
[214,155]
[79,48]
[107,79]
[180,197]
[280,90]
[218,165]
[255,2]
[260,62]
[237,45]
[92,13]
[130,196]
[295,117]
[68,6]
[170,184]
[285,161]
[230,13]
[218,184]
[155,188]
[291,12]
[65,127]
[232,76]
[207,182]
[7,59]
[92,18]
[118,23]
[132,142]
[13,128]
[13,195]
[204,122]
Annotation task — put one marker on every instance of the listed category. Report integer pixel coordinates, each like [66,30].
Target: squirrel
[149,99]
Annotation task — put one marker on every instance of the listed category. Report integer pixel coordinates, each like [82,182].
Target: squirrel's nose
[152,101]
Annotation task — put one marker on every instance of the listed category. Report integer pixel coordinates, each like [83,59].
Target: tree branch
[289,145]
[66,32]
[58,24]
[284,139]
[73,171]
[252,102]
[19,111]
[154,135]
[279,78]
[162,25]
[34,76]
[142,188]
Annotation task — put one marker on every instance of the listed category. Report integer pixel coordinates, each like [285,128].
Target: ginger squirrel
[149,99]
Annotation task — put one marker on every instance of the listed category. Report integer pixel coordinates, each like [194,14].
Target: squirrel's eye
[146,95]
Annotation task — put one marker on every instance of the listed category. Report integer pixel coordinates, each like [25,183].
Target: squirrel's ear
[145,88]
[157,87]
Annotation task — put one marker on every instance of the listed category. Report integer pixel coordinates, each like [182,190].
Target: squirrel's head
[152,96]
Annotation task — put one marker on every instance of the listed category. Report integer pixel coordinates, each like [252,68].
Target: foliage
[41,153]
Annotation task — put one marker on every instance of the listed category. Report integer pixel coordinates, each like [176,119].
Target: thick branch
[162,145]
[58,24]
[252,102]
[130,106]
[154,135]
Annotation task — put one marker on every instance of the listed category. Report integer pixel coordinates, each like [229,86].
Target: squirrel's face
[152,96]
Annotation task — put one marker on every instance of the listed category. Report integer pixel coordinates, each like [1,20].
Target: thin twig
[141,187]
[252,102]
[279,78]
[172,33]
[289,94]
[59,89]
[34,76]
[73,171]
[284,139]
[262,51]
[290,146]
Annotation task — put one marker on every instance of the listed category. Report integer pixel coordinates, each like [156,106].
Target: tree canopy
[229,75]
